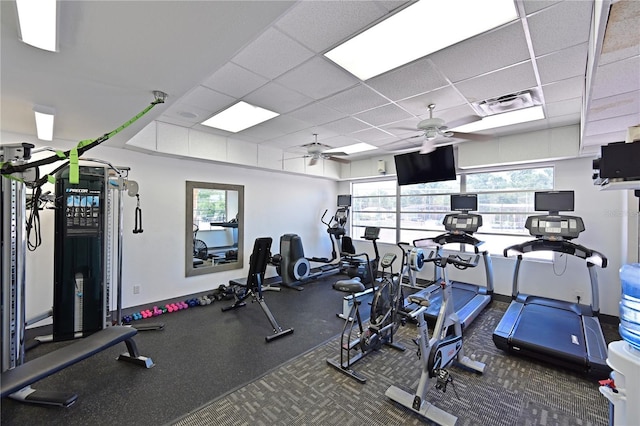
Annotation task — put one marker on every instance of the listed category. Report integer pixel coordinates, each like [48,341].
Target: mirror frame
[190,271]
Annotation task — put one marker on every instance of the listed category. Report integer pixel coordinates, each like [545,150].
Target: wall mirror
[214,227]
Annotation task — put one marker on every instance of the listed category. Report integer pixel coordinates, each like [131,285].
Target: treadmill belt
[461,296]
[551,331]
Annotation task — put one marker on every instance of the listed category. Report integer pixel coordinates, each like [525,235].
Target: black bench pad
[30,372]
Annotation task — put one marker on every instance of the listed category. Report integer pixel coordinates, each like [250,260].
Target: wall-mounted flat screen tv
[436,166]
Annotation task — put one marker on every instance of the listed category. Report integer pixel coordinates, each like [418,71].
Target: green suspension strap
[7,168]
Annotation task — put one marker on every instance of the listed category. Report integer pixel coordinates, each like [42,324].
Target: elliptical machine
[292,265]
[440,351]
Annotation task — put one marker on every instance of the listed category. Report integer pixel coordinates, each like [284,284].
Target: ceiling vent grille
[511,102]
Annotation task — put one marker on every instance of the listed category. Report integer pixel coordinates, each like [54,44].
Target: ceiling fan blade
[335,153]
[338,159]
[471,136]
[313,161]
[428,146]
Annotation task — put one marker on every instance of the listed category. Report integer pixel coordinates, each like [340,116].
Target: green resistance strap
[73,154]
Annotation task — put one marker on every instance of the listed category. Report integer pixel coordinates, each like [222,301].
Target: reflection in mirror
[214,227]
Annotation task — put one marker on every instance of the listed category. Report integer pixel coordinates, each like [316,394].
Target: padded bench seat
[30,372]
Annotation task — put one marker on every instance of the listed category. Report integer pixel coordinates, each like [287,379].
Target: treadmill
[468,299]
[562,333]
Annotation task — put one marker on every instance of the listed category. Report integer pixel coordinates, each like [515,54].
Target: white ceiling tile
[562,90]
[560,26]
[234,80]
[316,114]
[508,47]
[570,106]
[409,80]
[340,141]
[317,78]
[383,115]
[499,83]
[618,77]
[356,99]
[563,120]
[277,98]
[614,106]
[346,125]
[272,54]
[444,98]
[320,25]
[284,125]
[531,6]
[605,126]
[371,135]
[604,138]
[207,99]
[185,113]
[563,64]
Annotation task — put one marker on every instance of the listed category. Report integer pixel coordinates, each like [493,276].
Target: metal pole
[120,233]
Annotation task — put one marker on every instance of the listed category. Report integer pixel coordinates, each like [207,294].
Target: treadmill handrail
[562,246]
[462,238]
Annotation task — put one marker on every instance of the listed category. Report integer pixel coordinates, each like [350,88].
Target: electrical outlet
[136,289]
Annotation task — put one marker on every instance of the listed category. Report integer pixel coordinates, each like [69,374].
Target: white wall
[275,203]
[609,220]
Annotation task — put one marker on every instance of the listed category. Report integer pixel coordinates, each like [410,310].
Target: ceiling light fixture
[44,122]
[504,119]
[239,116]
[352,149]
[38,22]
[416,31]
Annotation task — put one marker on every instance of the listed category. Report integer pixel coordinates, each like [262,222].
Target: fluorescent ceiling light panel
[239,116]
[352,149]
[504,119]
[418,30]
[44,122]
[38,22]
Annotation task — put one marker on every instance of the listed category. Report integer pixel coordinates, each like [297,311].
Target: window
[407,213]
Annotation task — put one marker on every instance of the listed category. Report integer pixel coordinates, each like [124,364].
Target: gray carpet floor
[512,391]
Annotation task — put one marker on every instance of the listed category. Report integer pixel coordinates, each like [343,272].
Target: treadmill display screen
[554,201]
[464,202]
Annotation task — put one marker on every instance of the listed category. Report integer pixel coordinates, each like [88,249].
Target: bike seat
[354,285]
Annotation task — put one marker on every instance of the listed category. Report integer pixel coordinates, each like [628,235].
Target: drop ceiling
[207,55]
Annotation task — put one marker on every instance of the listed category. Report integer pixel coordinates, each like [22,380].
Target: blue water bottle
[630,304]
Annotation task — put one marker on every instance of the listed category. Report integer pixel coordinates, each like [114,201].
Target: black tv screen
[464,202]
[553,201]
[344,200]
[436,166]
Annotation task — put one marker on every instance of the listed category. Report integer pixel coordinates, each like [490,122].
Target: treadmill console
[462,223]
[555,227]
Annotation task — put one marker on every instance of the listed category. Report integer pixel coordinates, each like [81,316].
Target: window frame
[462,175]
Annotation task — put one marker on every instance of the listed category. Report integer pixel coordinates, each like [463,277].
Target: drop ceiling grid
[317,78]
[278,98]
[443,98]
[617,77]
[502,82]
[565,89]
[484,53]
[565,24]
[563,64]
[233,80]
[321,25]
[355,100]
[272,54]
[614,106]
[409,80]
[386,114]
[317,114]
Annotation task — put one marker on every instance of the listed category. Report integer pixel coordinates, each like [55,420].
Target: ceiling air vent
[511,102]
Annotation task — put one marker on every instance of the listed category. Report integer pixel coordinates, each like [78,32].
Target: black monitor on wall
[436,166]
[554,201]
[344,200]
[464,202]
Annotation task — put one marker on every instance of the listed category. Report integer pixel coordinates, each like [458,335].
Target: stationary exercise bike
[441,350]
[357,341]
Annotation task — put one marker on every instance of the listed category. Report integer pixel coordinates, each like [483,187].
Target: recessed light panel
[38,23]
[352,149]
[504,119]
[239,116]
[418,30]
[44,122]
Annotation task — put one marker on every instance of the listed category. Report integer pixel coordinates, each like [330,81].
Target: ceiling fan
[432,128]
[316,151]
